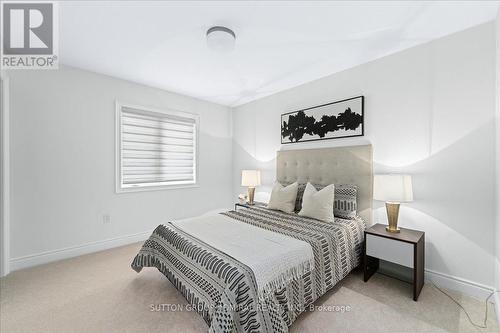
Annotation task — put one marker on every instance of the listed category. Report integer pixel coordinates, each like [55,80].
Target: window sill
[155,188]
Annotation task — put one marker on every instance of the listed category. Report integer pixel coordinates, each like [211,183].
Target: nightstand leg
[370,266]
[419,266]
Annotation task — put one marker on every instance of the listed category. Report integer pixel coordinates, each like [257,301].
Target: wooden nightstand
[406,248]
[245,205]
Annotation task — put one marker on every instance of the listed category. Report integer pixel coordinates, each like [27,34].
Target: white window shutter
[156,148]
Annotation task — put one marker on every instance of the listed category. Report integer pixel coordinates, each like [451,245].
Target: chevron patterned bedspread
[224,291]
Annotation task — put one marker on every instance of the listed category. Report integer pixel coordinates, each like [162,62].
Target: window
[155,149]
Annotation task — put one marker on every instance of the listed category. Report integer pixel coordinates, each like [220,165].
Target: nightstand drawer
[391,250]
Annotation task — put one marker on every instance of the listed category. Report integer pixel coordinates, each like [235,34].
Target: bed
[256,269]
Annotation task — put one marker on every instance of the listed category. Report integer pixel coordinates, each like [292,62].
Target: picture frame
[335,120]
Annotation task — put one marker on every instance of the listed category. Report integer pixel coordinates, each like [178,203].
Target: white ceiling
[279,44]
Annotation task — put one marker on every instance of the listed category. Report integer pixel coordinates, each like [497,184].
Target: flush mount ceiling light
[221,39]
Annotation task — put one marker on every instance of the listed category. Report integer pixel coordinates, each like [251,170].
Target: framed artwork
[341,119]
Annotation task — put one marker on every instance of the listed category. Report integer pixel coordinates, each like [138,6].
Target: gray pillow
[345,201]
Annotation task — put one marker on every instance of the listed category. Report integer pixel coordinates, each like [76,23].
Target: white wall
[429,112]
[63,161]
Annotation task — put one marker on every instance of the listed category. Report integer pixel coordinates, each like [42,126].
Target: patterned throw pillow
[345,201]
[300,195]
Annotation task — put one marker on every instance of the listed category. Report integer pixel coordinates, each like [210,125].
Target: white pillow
[283,198]
[318,204]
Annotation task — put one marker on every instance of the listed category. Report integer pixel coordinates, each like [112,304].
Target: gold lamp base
[251,194]
[392,209]
[393,231]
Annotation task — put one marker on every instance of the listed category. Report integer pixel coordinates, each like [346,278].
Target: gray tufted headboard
[340,165]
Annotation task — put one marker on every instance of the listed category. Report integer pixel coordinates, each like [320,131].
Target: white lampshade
[250,178]
[392,188]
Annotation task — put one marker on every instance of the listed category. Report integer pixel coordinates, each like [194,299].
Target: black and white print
[328,121]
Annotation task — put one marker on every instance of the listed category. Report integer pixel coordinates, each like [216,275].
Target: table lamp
[393,189]
[251,179]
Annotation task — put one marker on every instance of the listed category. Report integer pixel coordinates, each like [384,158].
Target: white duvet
[275,259]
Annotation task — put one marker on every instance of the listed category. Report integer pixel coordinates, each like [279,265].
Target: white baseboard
[466,287]
[74,251]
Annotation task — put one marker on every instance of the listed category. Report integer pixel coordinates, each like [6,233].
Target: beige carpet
[100,293]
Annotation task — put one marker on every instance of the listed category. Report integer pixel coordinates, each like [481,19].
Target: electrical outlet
[106,219]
